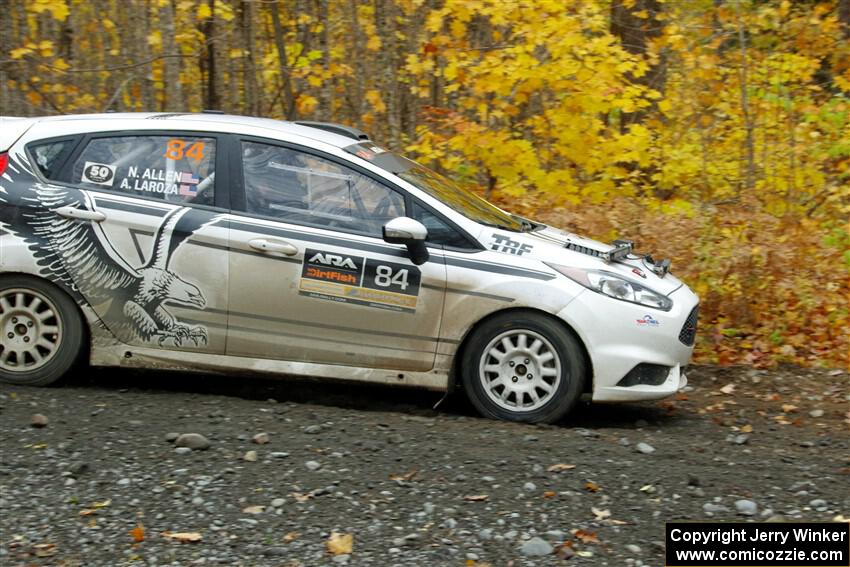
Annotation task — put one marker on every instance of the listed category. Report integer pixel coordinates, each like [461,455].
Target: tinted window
[439,232]
[48,157]
[302,188]
[172,168]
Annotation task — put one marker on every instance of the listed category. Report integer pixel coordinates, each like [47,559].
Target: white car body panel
[512,271]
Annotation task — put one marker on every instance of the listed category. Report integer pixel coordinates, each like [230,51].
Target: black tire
[20,366]
[564,347]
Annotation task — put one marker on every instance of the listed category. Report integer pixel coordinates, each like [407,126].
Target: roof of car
[334,134]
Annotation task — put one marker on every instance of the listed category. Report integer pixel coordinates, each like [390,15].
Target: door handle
[273,246]
[80,214]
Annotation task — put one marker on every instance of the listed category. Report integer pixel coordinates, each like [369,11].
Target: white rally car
[221,243]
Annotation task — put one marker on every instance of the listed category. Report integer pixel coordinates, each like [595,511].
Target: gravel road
[297,473]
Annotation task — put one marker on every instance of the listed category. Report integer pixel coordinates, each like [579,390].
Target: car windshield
[447,191]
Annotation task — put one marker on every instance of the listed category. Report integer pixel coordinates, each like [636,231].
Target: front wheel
[42,332]
[523,367]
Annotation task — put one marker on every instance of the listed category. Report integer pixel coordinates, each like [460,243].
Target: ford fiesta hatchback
[211,242]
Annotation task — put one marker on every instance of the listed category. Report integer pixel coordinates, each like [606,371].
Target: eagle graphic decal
[77,254]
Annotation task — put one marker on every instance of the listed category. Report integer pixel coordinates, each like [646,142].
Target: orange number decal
[196,151]
[176,150]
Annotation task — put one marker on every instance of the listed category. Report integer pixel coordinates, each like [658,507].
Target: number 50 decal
[389,276]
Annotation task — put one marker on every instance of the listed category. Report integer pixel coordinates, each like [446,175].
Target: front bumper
[620,335]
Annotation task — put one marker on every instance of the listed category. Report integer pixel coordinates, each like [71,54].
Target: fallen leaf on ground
[565,550]
[586,537]
[789,408]
[88,512]
[728,389]
[44,549]
[549,494]
[102,504]
[560,467]
[183,537]
[405,477]
[138,533]
[340,544]
[290,536]
[591,487]
[254,509]
[747,429]
[476,497]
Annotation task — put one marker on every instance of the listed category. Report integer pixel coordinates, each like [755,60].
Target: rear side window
[49,156]
[171,168]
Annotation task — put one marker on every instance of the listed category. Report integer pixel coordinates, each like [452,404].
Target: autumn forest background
[712,132]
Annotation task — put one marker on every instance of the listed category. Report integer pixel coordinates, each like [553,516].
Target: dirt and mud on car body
[210,242]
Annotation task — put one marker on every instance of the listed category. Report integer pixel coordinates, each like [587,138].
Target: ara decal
[358,280]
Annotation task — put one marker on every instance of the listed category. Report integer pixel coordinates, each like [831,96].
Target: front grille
[645,374]
[689,330]
[582,249]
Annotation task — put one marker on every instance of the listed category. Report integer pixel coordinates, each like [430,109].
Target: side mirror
[411,233]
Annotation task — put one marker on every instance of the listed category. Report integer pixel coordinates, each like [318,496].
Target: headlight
[616,286]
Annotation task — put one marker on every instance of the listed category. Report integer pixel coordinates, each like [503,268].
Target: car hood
[555,246]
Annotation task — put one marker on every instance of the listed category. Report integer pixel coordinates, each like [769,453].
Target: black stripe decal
[310,237]
[134,234]
[480,294]
[498,269]
[344,242]
[138,208]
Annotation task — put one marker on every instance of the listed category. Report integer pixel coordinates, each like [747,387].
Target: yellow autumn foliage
[713,132]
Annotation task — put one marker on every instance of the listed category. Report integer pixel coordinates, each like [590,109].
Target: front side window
[298,187]
[172,168]
[439,231]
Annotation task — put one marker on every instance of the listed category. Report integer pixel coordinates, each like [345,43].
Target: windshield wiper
[497,225]
[527,225]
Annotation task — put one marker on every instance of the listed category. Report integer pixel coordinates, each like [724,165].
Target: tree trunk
[844,17]
[635,34]
[173,95]
[249,69]
[289,110]
[208,67]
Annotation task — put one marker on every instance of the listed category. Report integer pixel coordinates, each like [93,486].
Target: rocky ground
[306,473]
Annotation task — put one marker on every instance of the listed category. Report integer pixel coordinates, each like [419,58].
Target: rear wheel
[42,332]
[523,367]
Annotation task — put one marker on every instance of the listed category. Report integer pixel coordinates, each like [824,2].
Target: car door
[139,213]
[311,278]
